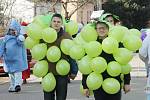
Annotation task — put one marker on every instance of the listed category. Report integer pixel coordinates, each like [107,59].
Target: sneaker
[11,89]
[18,88]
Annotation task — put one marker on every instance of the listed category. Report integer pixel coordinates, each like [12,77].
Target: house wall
[84,13]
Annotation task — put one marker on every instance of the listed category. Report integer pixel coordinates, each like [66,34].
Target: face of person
[102,30]
[12,32]
[110,19]
[56,23]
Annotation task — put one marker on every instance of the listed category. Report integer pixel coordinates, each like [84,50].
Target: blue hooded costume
[13,51]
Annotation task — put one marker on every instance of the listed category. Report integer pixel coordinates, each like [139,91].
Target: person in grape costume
[99,94]
[61,80]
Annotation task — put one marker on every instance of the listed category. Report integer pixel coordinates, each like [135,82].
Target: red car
[1,67]
[2,72]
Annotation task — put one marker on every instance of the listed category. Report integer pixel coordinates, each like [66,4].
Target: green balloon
[79,40]
[88,33]
[93,49]
[40,69]
[110,45]
[82,92]
[38,52]
[98,64]
[135,32]
[71,27]
[84,65]
[62,67]
[111,86]
[126,69]
[34,31]
[49,82]
[43,21]
[132,42]
[77,52]
[118,32]
[64,20]
[53,54]
[122,77]
[29,42]
[94,81]
[91,24]
[49,35]
[114,68]
[66,45]
[123,55]
[48,18]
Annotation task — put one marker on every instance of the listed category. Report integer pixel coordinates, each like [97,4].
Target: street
[33,91]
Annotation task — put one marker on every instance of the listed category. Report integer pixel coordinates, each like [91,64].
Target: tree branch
[55,3]
[7,5]
[78,7]
[52,8]
[65,8]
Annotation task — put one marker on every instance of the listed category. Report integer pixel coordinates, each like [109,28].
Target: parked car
[2,72]
[1,67]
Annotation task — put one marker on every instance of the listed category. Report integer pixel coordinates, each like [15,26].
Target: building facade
[82,15]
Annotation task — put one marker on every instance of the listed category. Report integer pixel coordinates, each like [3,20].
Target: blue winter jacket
[13,51]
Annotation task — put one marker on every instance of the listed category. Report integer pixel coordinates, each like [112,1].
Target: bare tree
[6,8]
[77,4]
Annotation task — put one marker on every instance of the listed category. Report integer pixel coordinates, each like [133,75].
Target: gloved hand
[21,37]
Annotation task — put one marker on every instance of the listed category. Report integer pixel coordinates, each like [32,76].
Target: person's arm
[73,68]
[2,48]
[143,51]
[127,86]
[86,91]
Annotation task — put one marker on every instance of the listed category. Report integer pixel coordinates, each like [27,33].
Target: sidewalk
[138,67]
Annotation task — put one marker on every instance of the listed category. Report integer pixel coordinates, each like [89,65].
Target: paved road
[33,90]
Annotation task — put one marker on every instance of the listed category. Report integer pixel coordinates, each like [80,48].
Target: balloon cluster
[91,64]
[39,30]
[85,49]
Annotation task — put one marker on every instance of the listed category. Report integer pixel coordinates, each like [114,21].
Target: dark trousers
[100,94]
[60,89]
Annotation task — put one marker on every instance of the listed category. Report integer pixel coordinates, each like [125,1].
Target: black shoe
[11,91]
[18,88]
[24,81]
